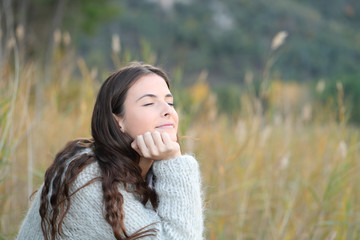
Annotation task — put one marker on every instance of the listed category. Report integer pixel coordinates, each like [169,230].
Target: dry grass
[290,173]
[284,178]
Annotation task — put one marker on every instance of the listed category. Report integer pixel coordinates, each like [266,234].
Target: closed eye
[172,104]
[148,104]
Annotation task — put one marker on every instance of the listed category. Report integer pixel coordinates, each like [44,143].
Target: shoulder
[89,177]
[90,172]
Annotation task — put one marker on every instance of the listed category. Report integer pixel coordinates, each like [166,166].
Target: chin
[173,135]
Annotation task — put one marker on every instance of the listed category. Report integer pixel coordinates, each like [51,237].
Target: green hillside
[230,37]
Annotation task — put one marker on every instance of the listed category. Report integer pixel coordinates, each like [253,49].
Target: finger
[158,140]
[135,146]
[149,141]
[166,138]
[172,148]
[144,151]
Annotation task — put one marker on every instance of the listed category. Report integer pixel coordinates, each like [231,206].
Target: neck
[145,164]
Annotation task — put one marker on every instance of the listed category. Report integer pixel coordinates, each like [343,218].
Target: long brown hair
[110,147]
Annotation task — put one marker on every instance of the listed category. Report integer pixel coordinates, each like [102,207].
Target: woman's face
[149,107]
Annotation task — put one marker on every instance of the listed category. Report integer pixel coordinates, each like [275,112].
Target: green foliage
[227,37]
[322,41]
[43,17]
[351,86]
[351,95]
[228,99]
[86,16]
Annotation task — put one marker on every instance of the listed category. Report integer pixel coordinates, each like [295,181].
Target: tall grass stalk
[9,114]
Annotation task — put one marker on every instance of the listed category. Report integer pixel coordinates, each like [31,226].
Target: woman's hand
[156,146]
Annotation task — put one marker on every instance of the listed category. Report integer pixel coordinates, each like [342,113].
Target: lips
[166,126]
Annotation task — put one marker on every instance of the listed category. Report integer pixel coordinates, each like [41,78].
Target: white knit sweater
[179,214]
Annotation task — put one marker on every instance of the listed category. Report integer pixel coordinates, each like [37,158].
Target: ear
[120,122]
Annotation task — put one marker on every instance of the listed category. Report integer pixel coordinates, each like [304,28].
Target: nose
[167,110]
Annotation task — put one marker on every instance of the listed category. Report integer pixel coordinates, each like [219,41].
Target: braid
[55,195]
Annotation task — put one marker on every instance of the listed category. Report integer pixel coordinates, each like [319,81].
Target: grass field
[287,171]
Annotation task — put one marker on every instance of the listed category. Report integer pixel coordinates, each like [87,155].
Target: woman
[130,181]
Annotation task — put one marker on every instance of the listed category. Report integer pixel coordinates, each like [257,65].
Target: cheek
[138,123]
[176,118]
[173,134]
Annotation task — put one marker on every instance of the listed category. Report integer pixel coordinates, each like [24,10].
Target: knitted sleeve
[179,214]
[179,188]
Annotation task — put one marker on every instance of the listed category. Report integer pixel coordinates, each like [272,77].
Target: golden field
[281,167]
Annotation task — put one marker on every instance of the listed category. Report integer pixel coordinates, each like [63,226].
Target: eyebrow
[153,96]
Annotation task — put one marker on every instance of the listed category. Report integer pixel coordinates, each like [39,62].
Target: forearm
[178,185]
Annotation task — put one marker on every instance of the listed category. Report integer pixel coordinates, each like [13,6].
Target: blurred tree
[230,36]
[227,37]
[37,21]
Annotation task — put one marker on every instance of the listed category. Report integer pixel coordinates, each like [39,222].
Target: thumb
[135,147]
